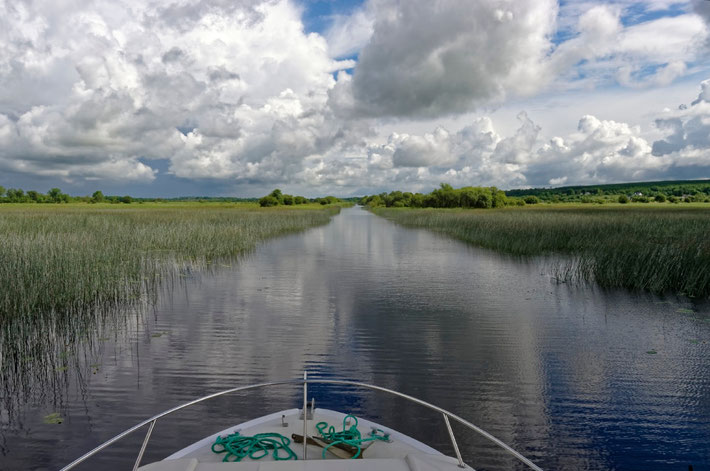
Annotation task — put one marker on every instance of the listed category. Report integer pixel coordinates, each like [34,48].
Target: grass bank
[658,249]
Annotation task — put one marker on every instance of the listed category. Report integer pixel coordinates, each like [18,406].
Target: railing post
[305,415]
[453,441]
[145,444]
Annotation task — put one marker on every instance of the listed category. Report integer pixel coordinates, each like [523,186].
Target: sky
[166,98]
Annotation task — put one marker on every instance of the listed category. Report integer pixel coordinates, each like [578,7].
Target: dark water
[562,373]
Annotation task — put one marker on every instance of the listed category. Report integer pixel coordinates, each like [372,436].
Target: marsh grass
[65,269]
[58,261]
[657,249]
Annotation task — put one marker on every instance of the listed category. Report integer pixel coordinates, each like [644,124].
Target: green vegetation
[64,268]
[688,191]
[53,418]
[17,195]
[276,198]
[55,195]
[693,191]
[57,261]
[444,197]
[69,272]
[655,248]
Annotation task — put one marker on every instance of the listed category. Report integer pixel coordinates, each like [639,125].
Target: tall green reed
[65,270]
[653,249]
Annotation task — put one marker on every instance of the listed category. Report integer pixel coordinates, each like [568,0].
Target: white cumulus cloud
[239,92]
[221,90]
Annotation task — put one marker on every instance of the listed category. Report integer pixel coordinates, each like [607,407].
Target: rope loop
[349,436]
[237,447]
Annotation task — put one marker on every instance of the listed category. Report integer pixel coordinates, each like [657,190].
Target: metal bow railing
[305,381]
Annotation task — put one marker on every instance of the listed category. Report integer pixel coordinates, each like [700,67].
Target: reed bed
[661,250]
[64,269]
[62,260]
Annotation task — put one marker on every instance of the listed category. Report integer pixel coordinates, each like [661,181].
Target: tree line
[445,196]
[55,195]
[276,198]
[642,192]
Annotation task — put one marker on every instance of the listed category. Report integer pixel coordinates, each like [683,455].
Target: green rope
[238,447]
[349,436]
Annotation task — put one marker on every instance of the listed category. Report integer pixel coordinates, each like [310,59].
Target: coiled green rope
[238,447]
[349,436]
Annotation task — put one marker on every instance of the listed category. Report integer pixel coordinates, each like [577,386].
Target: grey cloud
[689,128]
[673,142]
[173,55]
[704,95]
[423,151]
[702,8]
[428,59]
[183,15]
[221,74]
[516,149]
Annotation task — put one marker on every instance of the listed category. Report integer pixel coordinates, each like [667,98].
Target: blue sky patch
[318,14]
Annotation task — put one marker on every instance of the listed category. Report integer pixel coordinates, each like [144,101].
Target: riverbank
[640,247]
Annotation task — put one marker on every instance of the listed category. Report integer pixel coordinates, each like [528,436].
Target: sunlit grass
[655,248]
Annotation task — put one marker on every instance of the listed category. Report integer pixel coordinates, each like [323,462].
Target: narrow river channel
[574,377]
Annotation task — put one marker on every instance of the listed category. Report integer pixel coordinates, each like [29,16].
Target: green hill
[688,190]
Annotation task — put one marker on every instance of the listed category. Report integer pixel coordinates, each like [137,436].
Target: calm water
[561,373]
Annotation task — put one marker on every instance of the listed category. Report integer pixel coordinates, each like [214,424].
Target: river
[574,377]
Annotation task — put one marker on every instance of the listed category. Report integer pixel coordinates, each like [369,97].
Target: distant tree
[97,197]
[2,191]
[483,200]
[446,196]
[623,199]
[417,200]
[300,200]
[55,195]
[374,201]
[278,195]
[288,200]
[34,196]
[268,200]
[498,197]
[126,199]
[660,198]
[15,195]
[532,199]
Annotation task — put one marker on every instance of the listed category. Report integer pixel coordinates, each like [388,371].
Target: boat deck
[400,453]
[414,462]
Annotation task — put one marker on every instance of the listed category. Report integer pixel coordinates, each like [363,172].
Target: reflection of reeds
[653,249]
[65,269]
